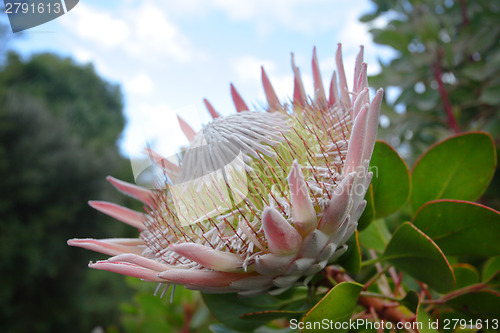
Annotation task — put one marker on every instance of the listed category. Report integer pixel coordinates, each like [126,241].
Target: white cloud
[154,34]
[83,55]
[238,9]
[98,26]
[353,34]
[155,126]
[247,68]
[142,31]
[140,84]
[283,86]
[305,16]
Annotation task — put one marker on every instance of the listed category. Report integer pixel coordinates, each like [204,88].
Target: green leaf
[465,275]
[272,315]
[228,307]
[461,227]
[219,328]
[337,306]
[410,301]
[427,27]
[392,38]
[490,268]
[477,71]
[481,304]
[368,17]
[491,94]
[369,212]
[460,167]
[241,313]
[266,329]
[428,100]
[424,321]
[391,180]
[376,236]
[351,260]
[415,253]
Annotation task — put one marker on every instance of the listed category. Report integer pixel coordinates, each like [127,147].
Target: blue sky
[169,55]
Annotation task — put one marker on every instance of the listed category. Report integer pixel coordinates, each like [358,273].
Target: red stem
[438,73]
[465,17]
[383,309]
[187,318]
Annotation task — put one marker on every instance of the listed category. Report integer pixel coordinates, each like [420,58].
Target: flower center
[245,134]
[238,165]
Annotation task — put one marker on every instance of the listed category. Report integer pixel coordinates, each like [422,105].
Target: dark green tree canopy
[91,106]
[59,124]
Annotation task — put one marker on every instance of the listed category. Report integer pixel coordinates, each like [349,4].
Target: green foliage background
[59,126]
[455,40]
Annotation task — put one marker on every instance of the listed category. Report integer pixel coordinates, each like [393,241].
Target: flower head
[261,201]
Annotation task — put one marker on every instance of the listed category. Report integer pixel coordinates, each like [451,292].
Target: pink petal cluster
[306,164]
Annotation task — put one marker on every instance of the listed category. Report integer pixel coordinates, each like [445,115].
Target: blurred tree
[445,76]
[59,124]
[91,107]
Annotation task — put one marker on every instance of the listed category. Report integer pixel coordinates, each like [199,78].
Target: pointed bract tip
[272,98]
[282,238]
[200,278]
[303,212]
[111,247]
[140,193]
[186,129]
[238,101]
[372,125]
[123,214]
[338,207]
[208,257]
[319,90]
[299,94]
[344,90]
[334,90]
[170,168]
[359,132]
[211,109]
[126,268]
[140,261]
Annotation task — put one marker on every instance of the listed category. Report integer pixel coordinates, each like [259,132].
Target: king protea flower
[261,201]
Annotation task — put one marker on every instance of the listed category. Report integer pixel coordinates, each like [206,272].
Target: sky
[169,55]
